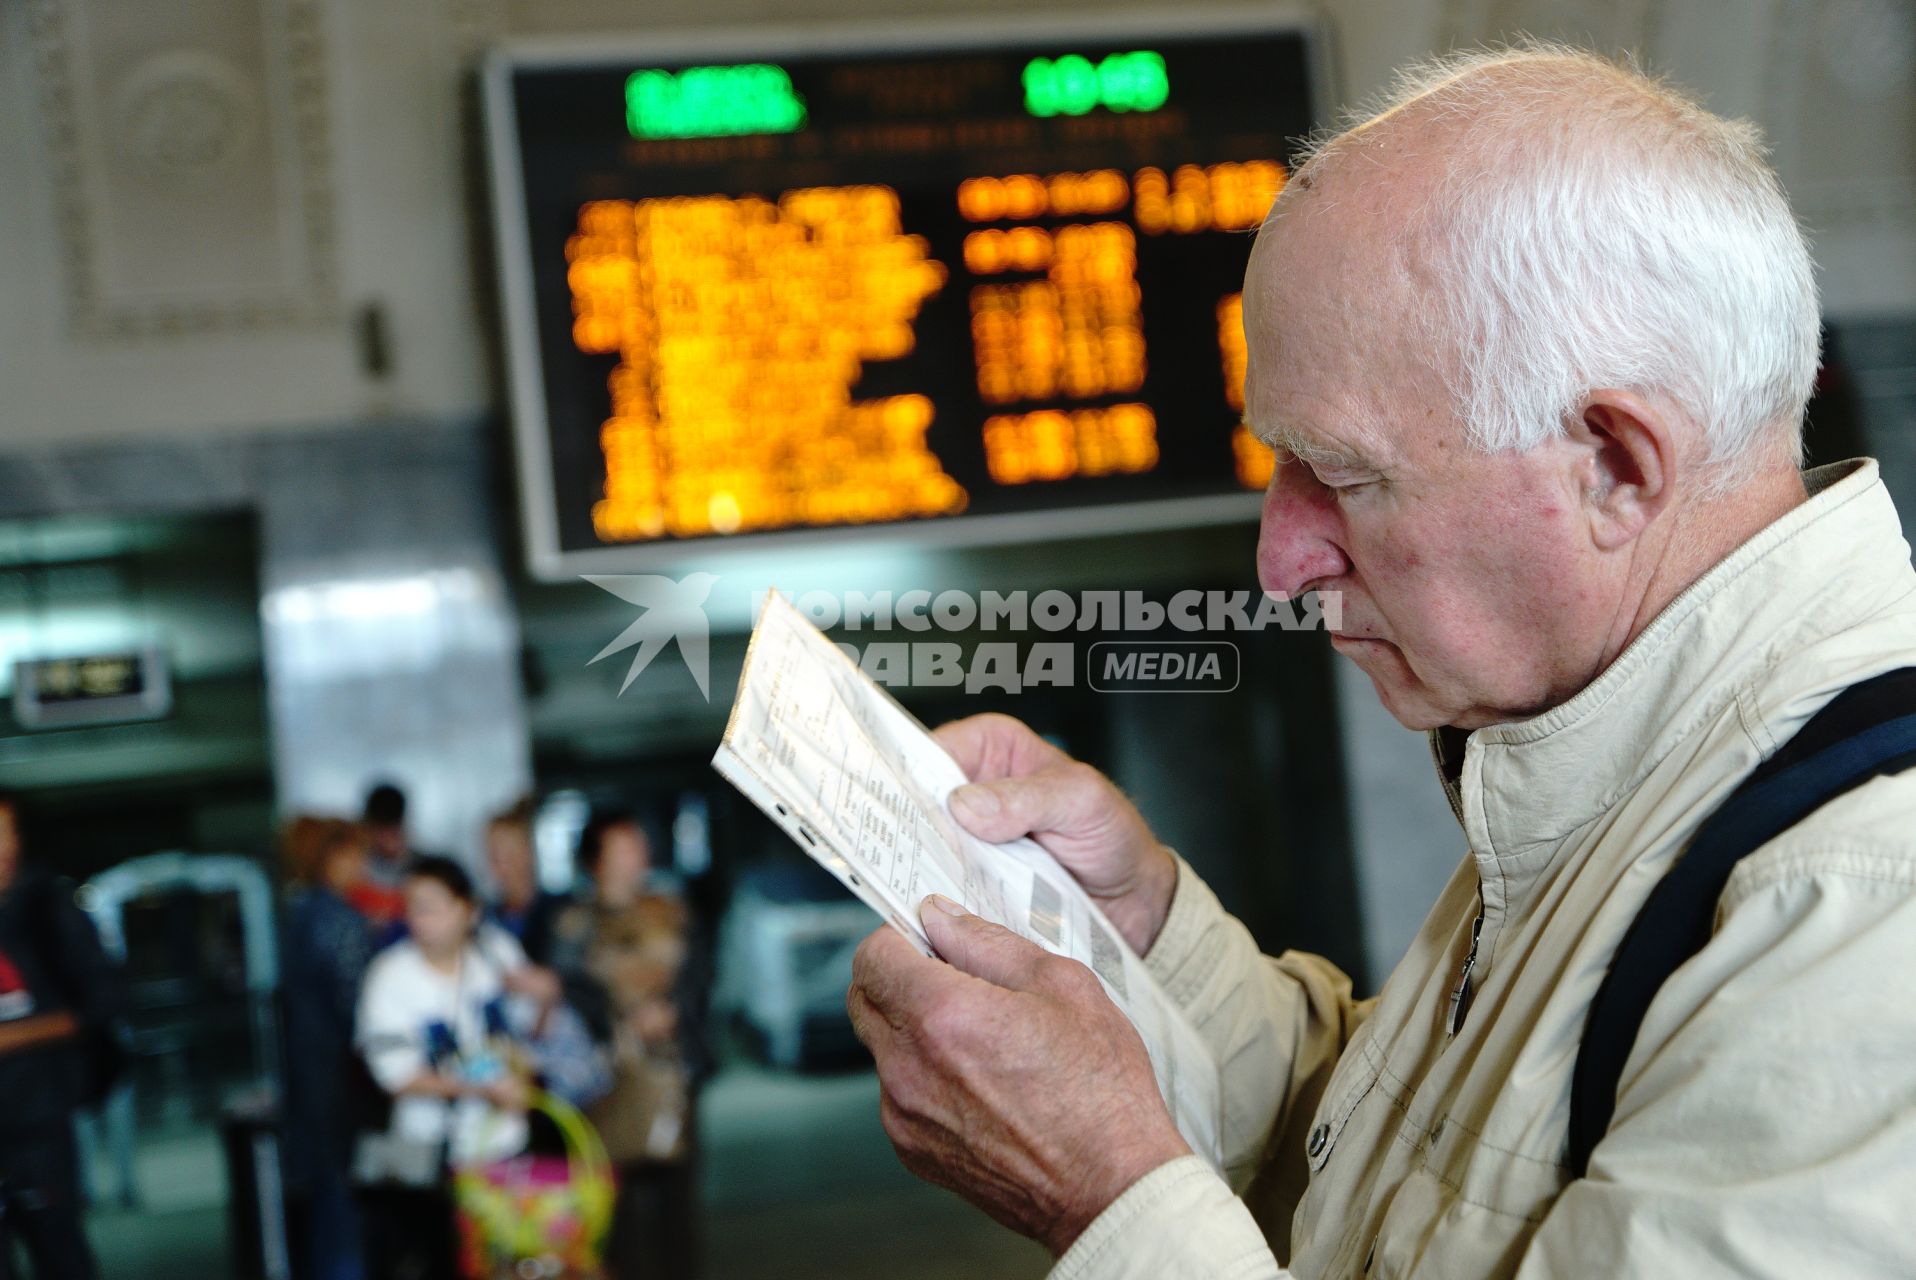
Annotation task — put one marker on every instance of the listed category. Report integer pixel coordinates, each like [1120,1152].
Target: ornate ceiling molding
[192,133]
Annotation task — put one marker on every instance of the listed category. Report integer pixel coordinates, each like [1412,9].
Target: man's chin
[1390,677]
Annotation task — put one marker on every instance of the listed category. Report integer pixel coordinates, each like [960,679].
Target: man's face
[1464,576]
[9,846]
[388,840]
[345,866]
[624,859]
[509,854]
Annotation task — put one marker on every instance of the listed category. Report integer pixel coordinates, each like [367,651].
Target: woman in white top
[435,1028]
[436,1025]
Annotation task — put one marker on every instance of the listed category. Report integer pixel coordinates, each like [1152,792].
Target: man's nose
[1298,536]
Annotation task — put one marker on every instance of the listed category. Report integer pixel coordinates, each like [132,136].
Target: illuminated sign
[1073,85]
[977,290]
[101,688]
[711,102]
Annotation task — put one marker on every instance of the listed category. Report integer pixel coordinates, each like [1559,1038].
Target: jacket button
[1319,1136]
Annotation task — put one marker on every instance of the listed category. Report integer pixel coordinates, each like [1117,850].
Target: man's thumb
[974,945]
[1008,808]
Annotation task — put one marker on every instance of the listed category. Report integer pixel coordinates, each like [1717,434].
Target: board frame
[545,559]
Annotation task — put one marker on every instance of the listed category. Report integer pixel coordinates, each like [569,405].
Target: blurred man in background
[519,904]
[59,997]
[380,894]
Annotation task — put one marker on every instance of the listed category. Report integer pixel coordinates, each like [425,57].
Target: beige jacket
[1766,1122]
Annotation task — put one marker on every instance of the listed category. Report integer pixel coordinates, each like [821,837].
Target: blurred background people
[327,946]
[519,904]
[626,955]
[435,1028]
[59,997]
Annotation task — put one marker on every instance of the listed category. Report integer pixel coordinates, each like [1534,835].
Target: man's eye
[1332,481]
[1348,488]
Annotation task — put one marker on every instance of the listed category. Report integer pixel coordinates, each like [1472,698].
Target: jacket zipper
[1460,994]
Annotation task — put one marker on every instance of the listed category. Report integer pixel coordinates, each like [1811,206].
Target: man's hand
[1008,1075]
[1022,785]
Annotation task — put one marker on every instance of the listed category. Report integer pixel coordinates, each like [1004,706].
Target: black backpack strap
[1867,730]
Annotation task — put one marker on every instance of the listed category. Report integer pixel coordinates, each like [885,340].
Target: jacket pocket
[1340,1104]
[1327,1228]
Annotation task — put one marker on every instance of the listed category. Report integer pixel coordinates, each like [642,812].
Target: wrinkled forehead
[1338,312]
[1350,243]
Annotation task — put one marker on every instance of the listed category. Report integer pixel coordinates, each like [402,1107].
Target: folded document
[860,785]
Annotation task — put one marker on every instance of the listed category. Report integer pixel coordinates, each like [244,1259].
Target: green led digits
[1072,85]
[712,102]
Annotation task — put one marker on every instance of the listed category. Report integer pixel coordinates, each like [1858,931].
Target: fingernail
[946,905]
[981,802]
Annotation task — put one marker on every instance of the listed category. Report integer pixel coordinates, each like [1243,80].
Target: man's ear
[1630,465]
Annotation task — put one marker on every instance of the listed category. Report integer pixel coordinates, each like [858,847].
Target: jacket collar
[1520,788]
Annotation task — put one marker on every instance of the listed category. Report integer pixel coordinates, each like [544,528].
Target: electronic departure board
[964,284]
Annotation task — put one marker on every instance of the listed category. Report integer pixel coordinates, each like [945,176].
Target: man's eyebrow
[1310,452]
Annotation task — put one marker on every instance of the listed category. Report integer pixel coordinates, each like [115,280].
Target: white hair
[1594,228]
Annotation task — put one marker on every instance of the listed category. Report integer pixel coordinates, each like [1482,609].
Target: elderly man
[1533,345]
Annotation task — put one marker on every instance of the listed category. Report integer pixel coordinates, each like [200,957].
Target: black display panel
[984,288]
